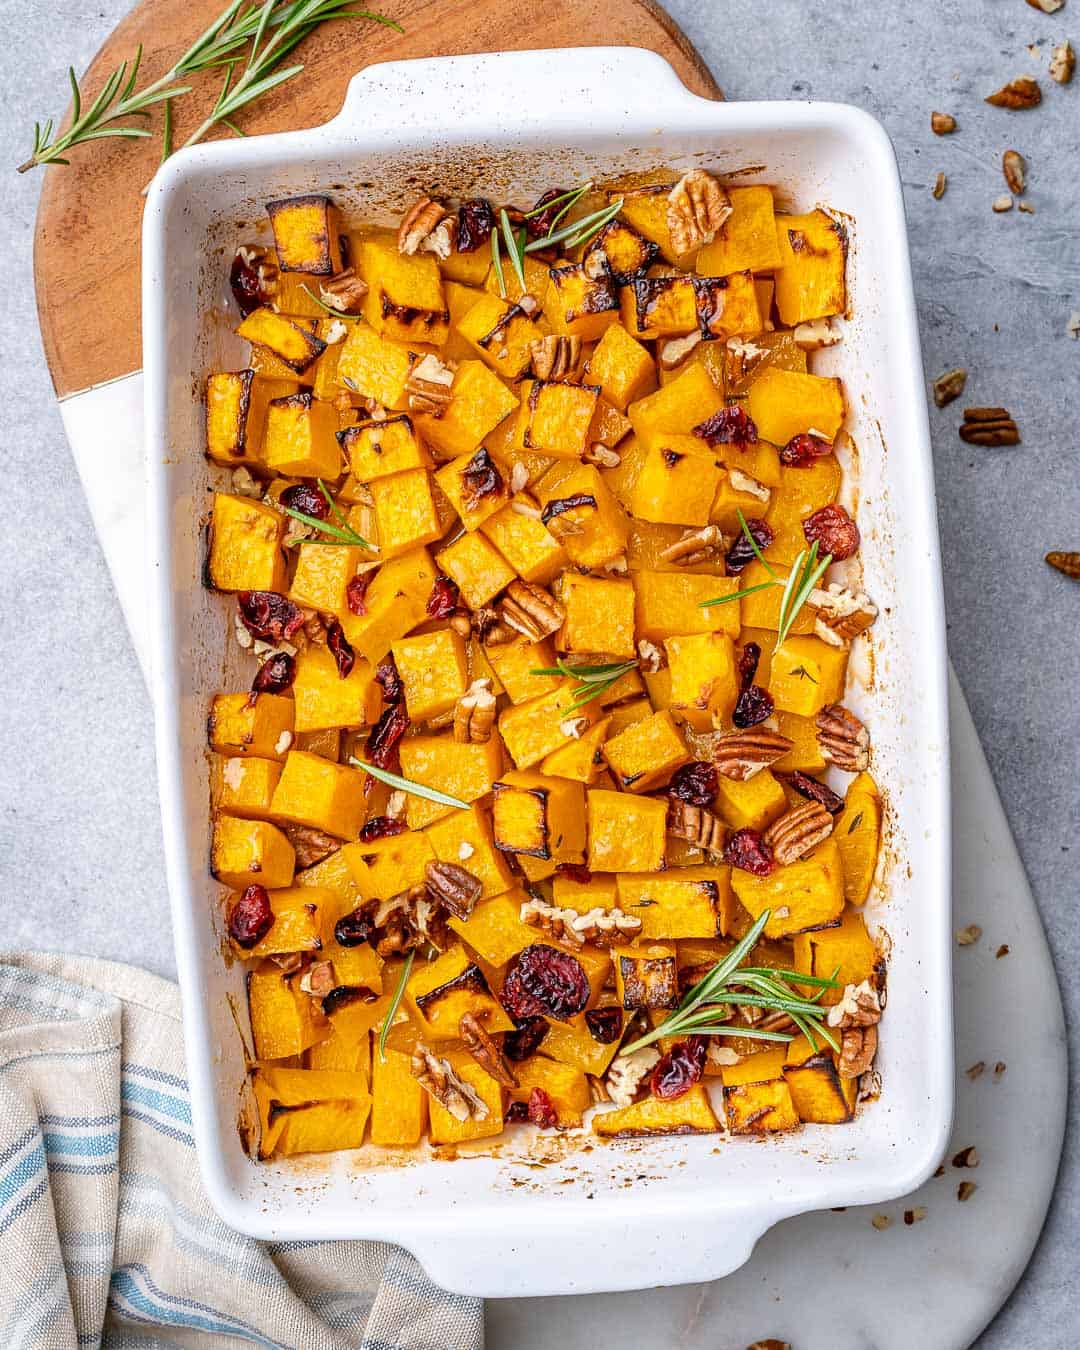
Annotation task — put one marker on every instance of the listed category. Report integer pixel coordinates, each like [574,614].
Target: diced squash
[405,300]
[440,993]
[599,616]
[399,1105]
[677,484]
[494,929]
[322,574]
[690,902]
[704,679]
[371,366]
[820,1095]
[388,866]
[581,511]
[574,1044]
[728,306]
[464,838]
[678,407]
[784,404]
[646,754]
[339,1052]
[555,416]
[446,1129]
[626,833]
[646,209]
[753,804]
[406,514]
[238,727]
[298,922]
[475,487]
[500,333]
[806,674]
[477,567]
[760,1108]
[691,1113]
[284,1021]
[621,367]
[395,602]
[539,816]
[810,277]
[335,874]
[293,344]
[845,953]
[747,239]
[762,608]
[565,1085]
[378,449]
[434,671]
[624,253]
[307,234]
[513,663]
[236,403]
[803,895]
[463,771]
[247,851]
[578,304]
[533,729]
[646,977]
[671,603]
[765,1064]
[536,279]
[244,786]
[858,835]
[526,543]
[805,753]
[580,759]
[324,700]
[321,795]
[245,545]
[657,307]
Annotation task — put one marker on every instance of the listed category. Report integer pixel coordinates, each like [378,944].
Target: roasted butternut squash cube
[299,914]
[494,930]
[646,976]
[321,795]
[728,306]
[704,678]
[746,242]
[405,300]
[238,727]
[688,902]
[399,1105]
[526,543]
[784,404]
[805,753]
[395,601]
[621,367]
[691,1113]
[646,754]
[434,670]
[244,787]
[378,449]
[760,1108]
[500,332]
[536,277]
[247,851]
[513,663]
[385,867]
[624,254]
[679,406]
[582,513]
[762,609]
[446,1129]
[736,493]
[555,416]
[578,304]
[338,1052]
[533,729]
[539,816]
[464,838]
[845,953]
[628,714]
[475,487]
[293,344]
[371,366]
[478,568]
[335,874]
[575,892]
[646,210]
[753,804]
[356,967]
[580,759]
[858,835]
[667,604]
[440,993]
[565,1085]
[236,403]
[677,484]
[656,307]
[807,673]
[599,616]
[609,426]
[307,234]
[479,402]
[810,277]
[759,1066]
[324,700]
[245,545]
[820,1095]
[574,1044]
[405,512]
[463,771]
[804,895]
[323,1127]
[284,1021]
[626,833]
[323,572]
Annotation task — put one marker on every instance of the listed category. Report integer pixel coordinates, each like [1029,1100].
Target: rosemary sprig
[706,1009]
[496,262]
[342,533]
[395,1003]
[515,246]
[337,313]
[594,681]
[567,200]
[395,780]
[577,231]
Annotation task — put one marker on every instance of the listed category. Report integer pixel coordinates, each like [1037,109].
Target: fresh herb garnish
[496,262]
[594,681]
[342,533]
[395,780]
[395,1003]
[803,674]
[855,823]
[566,200]
[577,231]
[337,313]
[515,247]
[708,1007]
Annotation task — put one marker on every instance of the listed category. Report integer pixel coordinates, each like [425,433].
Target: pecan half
[429,385]
[949,386]
[1062,62]
[628,1073]
[418,229]
[942,123]
[858,1046]
[859,1006]
[453,887]
[745,753]
[439,1080]
[531,611]
[696,824]
[344,291]
[1066,563]
[697,207]
[843,739]
[989,426]
[474,714]
[485,1051]
[841,614]
[1023,92]
[798,832]
[555,357]
[696,546]
[1014,170]
[311,846]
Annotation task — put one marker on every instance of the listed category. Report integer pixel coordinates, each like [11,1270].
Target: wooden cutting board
[86,248]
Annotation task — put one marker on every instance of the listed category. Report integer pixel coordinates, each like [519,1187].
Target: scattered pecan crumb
[1026,208]
[999,1068]
[1062,62]
[967,1157]
[881,1222]
[1014,170]
[1003,950]
[344,291]
[975,1070]
[1023,92]
[1066,563]
[950,385]
[940,184]
[628,1072]
[942,123]
[438,1078]
[697,207]
[915,1215]
[1047,6]
[602,455]
[966,936]
[1001,204]
[675,350]
[989,426]
[966,1190]
[770,1344]
[940,1171]
[695,546]
[429,385]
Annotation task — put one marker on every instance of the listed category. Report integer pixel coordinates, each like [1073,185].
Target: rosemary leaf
[512,248]
[754,544]
[345,318]
[395,1003]
[578,231]
[395,780]
[496,262]
[735,595]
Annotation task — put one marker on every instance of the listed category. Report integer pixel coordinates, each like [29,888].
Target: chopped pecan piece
[745,753]
[603,927]
[602,455]
[408,920]
[1047,6]
[423,230]
[999,205]
[651,658]
[318,979]
[344,291]
[696,546]
[697,207]
[940,184]
[1068,564]
[858,1046]
[859,1006]
[311,846]
[429,385]
[627,1074]
[1014,170]
[814,334]
[942,123]
[474,714]
[798,832]
[553,920]
[555,357]
[697,825]
[485,1051]
[843,739]
[439,1080]
[453,887]
[949,386]
[675,350]
[842,614]
[1062,62]
[1023,92]
[531,611]
[989,426]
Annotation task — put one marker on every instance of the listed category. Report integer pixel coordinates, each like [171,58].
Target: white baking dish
[509,126]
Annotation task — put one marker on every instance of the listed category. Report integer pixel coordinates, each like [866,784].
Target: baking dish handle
[453,94]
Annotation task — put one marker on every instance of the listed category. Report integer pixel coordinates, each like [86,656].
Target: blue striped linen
[106,1238]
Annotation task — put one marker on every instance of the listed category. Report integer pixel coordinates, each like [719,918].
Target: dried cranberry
[306,499]
[804,449]
[526,1040]
[517,1113]
[574,872]
[605,1024]
[731,425]
[443,599]
[835,532]
[389,681]
[341,648]
[251,918]
[740,555]
[246,285]
[274,676]
[749,658]
[747,849]
[476,220]
[679,1069]
[542,1111]
[380,827]
[539,225]
[695,783]
[806,786]
[381,744]
[269,616]
[752,707]
[353,928]
[545,982]
[356,593]
[480,479]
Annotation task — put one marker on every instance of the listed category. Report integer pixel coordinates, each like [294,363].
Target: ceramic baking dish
[534,1215]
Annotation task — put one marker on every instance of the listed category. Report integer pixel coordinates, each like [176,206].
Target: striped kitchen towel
[106,1237]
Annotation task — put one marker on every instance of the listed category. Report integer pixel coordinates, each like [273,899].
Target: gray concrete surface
[80,855]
